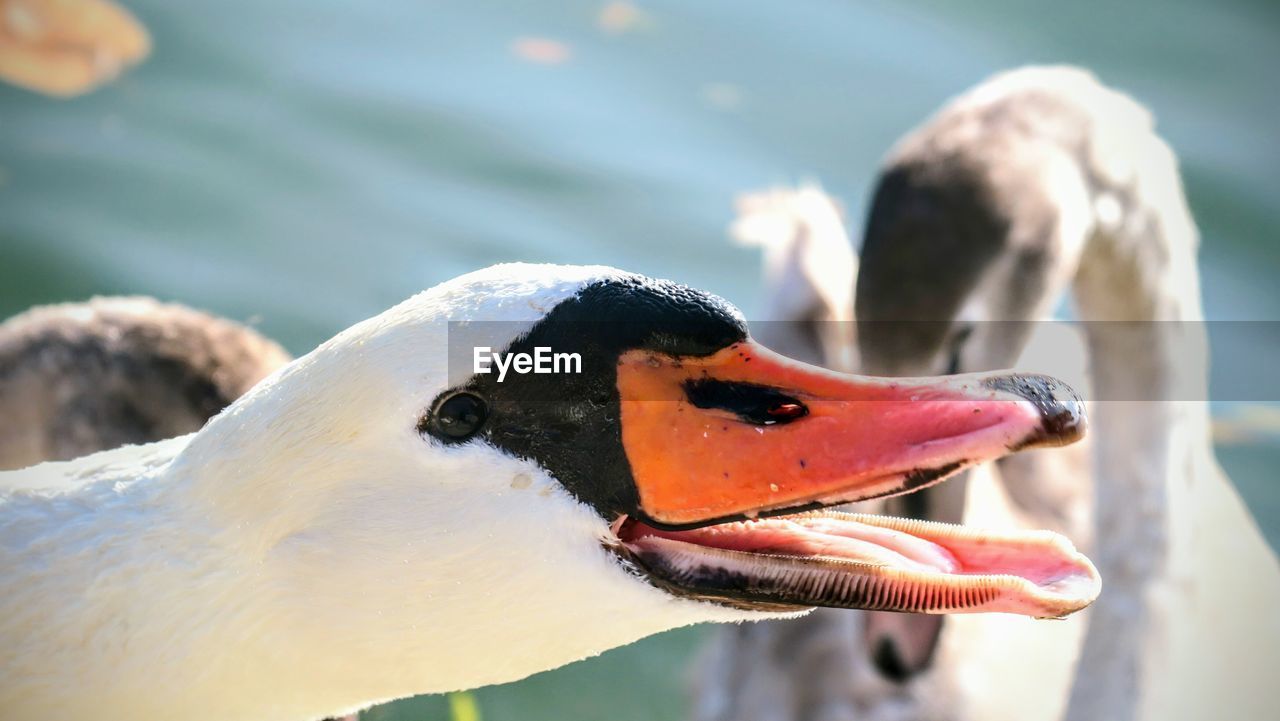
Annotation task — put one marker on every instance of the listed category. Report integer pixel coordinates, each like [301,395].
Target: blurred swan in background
[1047,178]
[77,378]
[825,666]
[1038,178]
[65,48]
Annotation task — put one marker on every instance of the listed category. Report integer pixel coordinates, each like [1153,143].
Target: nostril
[754,404]
[1062,414]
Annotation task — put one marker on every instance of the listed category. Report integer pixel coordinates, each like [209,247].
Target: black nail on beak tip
[1062,416]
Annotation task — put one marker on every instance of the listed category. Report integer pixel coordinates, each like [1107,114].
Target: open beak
[721,443]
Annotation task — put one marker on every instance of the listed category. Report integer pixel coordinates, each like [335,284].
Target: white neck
[142,605]
[1138,292]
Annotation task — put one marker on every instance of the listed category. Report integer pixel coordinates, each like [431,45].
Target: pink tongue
[905,548]
[820,536]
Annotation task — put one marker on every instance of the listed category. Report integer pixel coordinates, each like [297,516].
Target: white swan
[77,378]
[380,519]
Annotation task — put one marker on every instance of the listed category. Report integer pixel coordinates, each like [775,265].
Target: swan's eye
[456,417]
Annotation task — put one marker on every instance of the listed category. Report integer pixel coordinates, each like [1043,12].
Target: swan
[381,517]
[826,666]
[76,378]
[1048,178]
[1040,178]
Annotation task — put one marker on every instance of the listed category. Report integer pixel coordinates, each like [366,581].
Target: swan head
[385,499]
[982,217]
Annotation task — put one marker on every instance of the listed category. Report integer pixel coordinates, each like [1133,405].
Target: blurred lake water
[304,165]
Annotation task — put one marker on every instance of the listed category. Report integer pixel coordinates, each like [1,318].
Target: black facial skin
[570,422]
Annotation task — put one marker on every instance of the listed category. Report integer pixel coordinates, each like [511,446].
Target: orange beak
[747,432]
